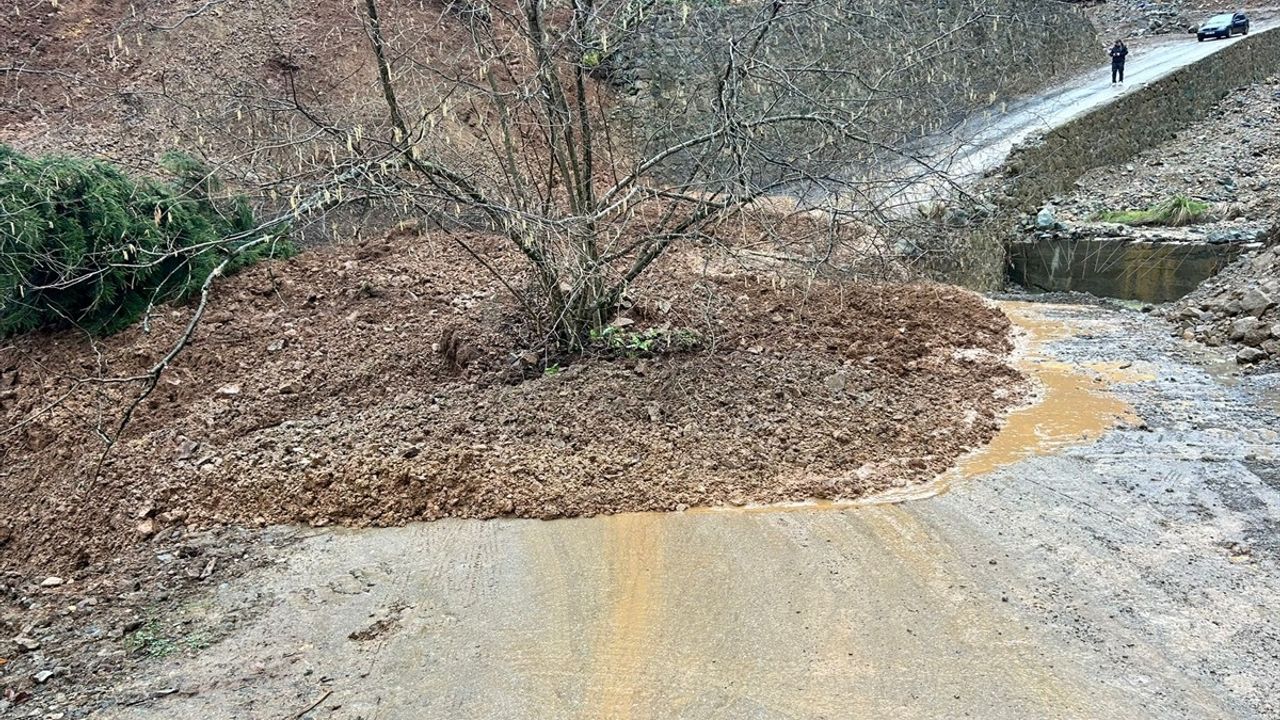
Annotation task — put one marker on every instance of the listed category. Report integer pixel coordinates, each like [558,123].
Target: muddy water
[1071,406]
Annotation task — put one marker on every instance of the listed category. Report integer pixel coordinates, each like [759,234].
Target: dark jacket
[1118,53]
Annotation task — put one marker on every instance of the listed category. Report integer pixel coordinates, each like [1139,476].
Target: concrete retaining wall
[1119,268]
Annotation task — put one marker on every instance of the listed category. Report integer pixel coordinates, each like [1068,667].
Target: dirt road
[1126,563]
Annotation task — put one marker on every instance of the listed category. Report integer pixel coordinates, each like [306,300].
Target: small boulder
[1242,328]
[1045,219]
[1250,355]
[836,382]
[1259,334]
[1255,302]
[26,644]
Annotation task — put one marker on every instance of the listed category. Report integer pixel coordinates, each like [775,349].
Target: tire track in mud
[634,557]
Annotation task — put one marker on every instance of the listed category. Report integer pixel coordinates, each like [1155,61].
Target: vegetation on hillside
[1177,211]
[84,244]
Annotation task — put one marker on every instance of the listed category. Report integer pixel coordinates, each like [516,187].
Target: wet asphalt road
[962,155]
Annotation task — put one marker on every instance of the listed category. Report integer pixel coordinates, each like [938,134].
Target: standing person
[1118,53]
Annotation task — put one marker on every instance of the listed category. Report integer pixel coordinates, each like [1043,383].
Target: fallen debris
[1240,307]
[758,392]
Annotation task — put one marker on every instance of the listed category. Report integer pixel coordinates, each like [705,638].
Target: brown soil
[378,384]
[237,84]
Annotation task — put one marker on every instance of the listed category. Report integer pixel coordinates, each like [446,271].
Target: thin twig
[313,705]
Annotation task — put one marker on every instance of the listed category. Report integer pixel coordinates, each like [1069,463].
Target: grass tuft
[1177,211]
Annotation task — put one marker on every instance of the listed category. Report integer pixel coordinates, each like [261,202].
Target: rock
[1045,219]
[1259,334]
[1254,302]
[26,643]
[187,448]
[147,528]
[836,382]
[907,248]
[51,581]
[229,390]
[1250,355]
[42,677]
[956,218]
[1243,327]
[1214,305]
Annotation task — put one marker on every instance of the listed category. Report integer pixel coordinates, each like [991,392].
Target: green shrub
[1174,212]
[645,342]
[83,244]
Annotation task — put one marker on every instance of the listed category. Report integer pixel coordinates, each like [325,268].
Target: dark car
[1223,26]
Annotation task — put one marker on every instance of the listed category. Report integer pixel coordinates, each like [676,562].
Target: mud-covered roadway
[1115,554]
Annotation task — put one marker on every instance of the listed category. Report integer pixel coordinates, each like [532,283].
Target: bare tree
[528,133]
[590,199]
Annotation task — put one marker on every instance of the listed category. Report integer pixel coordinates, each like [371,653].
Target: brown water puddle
[1071,406]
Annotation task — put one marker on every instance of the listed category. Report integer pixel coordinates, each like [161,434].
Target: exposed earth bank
[1237,191]
[1238,308]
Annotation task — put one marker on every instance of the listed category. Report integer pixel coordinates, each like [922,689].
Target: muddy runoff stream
[1070,405]
[891,606]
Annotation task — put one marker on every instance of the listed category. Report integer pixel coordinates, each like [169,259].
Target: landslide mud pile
[393,381]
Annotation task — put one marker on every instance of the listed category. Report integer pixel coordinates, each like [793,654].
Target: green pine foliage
[84,244]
